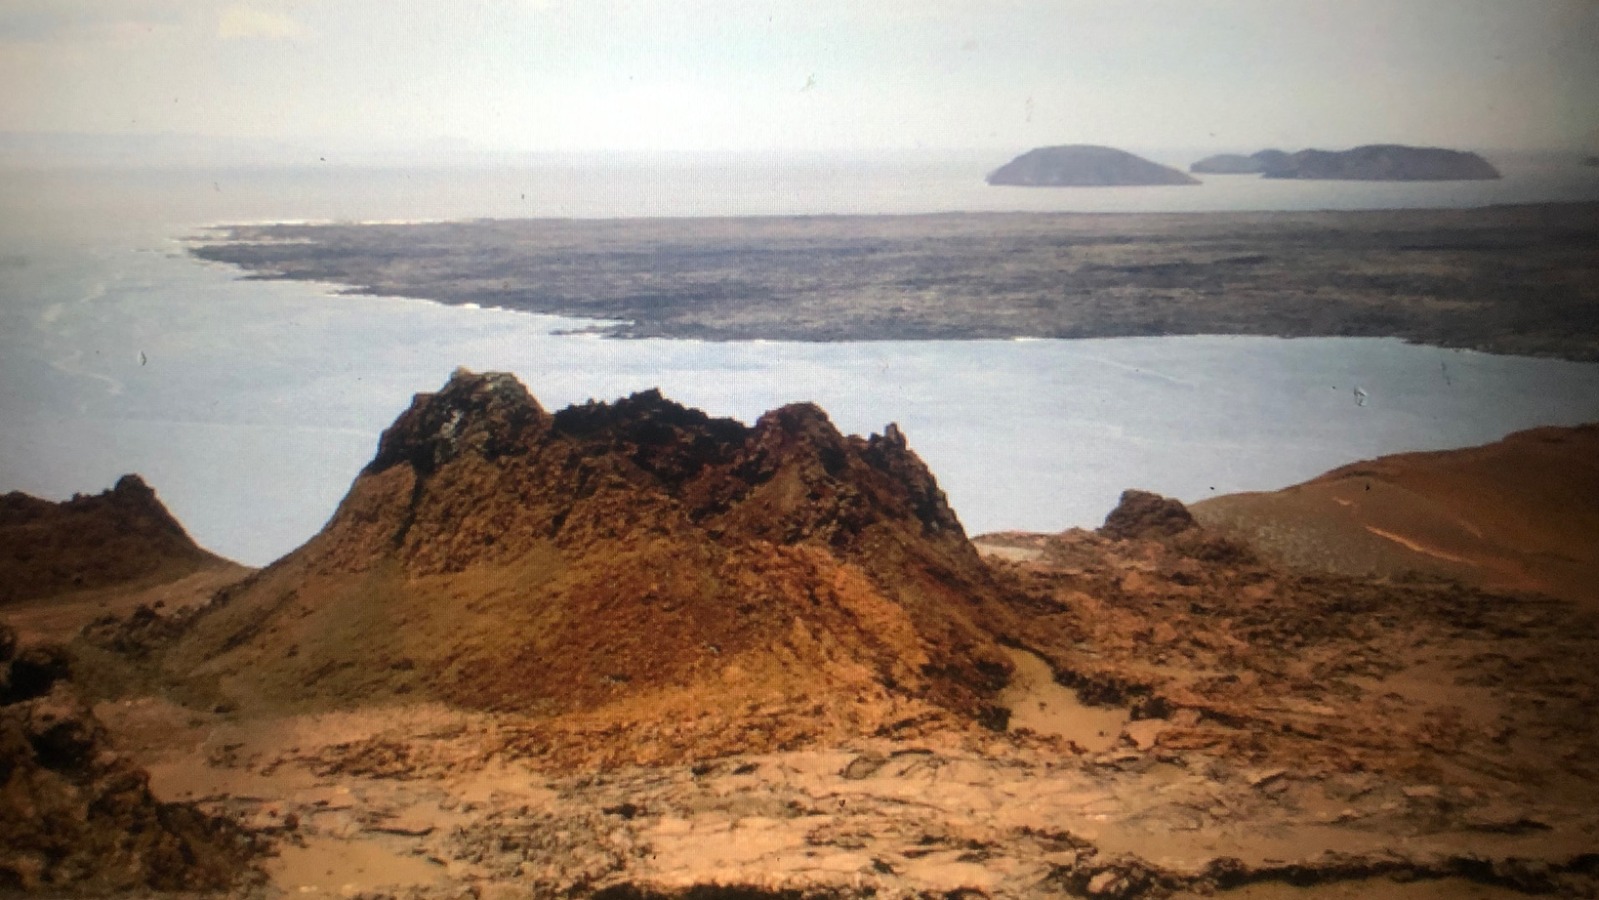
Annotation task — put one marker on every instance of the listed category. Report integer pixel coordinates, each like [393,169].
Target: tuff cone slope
[623,562]
[1518,514]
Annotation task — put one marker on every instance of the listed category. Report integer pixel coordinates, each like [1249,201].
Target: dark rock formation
[77,817]
[513,559]
[1141,514]
[1383,162]
[1084,165]
[121,535]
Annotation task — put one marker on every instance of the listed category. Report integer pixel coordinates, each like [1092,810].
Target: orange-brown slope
[1519,514]
[635,559]
[123,536]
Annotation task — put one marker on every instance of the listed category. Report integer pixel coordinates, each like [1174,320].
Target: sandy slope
[1519,514]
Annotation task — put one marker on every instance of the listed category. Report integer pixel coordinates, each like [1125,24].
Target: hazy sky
[810,74]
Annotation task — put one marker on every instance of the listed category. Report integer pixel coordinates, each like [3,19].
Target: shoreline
[1517,279]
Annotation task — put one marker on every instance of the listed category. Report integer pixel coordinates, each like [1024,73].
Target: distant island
[1373,162]
[1084,165]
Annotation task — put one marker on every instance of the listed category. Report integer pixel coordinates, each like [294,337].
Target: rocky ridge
[631,559]
[119,536]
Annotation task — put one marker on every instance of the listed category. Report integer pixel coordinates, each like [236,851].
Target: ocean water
[251,405]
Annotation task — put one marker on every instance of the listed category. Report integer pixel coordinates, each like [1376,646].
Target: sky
[807,75]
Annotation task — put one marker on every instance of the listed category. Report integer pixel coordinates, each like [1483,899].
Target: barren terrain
[627,651]
[1518,514]
[1520,280]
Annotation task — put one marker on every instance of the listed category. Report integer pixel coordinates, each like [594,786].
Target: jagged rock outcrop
[1141,514]
[495,555]
[1084,165]
[121,535]
[77,817]
[1382,162]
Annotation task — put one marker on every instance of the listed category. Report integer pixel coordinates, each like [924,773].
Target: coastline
[1521,280]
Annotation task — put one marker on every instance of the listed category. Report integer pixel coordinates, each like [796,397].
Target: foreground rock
[75,815]
[1276,729]
[1084,165]
[1381,162]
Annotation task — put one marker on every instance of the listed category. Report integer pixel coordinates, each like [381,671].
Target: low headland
[1512,279]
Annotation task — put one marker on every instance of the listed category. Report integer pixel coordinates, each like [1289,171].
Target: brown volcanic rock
[77,816]
[121,535]
[628,561]
[1141,514]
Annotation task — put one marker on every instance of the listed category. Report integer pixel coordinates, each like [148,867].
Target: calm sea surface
[251,405]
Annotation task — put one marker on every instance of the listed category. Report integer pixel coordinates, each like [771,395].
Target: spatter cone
[635,562]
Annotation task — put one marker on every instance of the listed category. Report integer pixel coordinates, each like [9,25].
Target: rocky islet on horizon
[1084,165]
[1371,162]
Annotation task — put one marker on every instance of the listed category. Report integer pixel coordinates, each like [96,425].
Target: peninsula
[1518,280]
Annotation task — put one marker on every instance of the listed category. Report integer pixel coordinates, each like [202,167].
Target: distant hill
[120,536]
[1084,165]
[1382,162]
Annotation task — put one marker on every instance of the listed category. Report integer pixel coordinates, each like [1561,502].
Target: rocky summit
[633,561]
[119,536]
